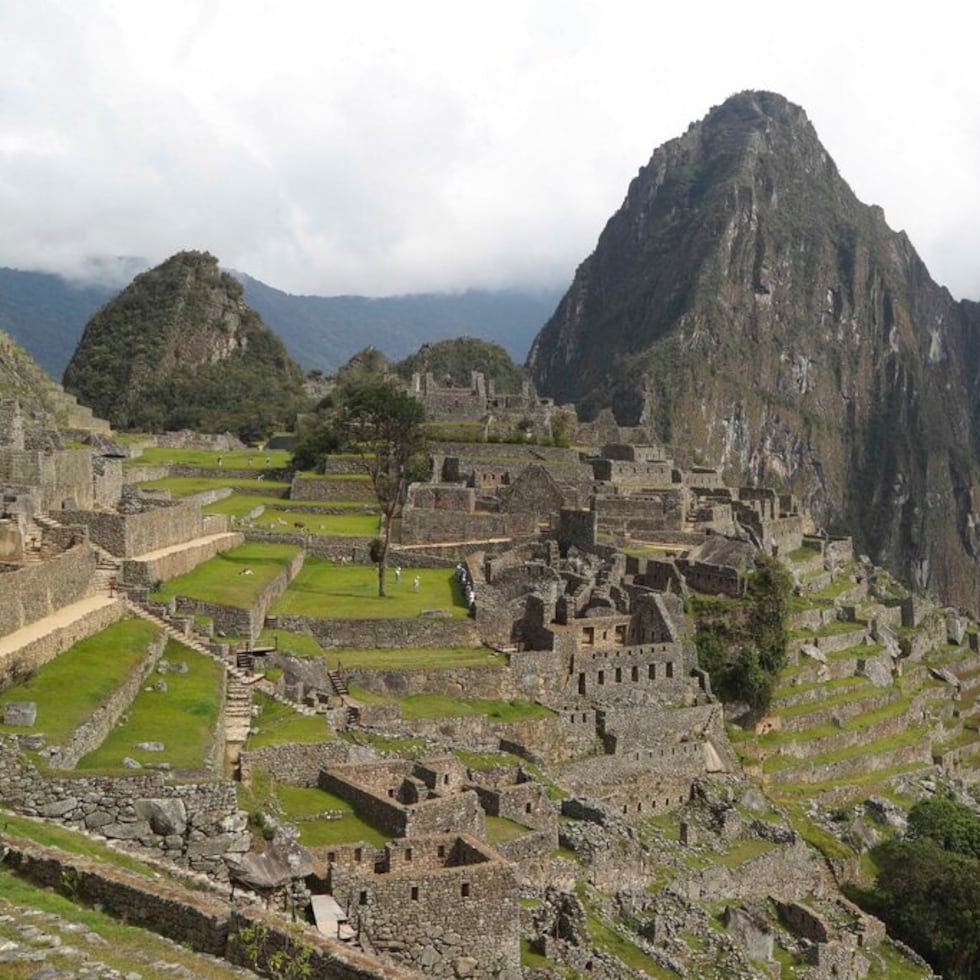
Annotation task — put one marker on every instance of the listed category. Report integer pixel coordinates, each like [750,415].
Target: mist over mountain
[743,301]
[324,331]
[47,313]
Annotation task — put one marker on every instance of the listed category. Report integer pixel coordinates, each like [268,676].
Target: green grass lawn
[278,723]
[301,805]
[219,579]
[405,658]
[187,486]
[300,644]
[69,688]
[419,706]
[350,525]
[500,829]
[183,718]
[241,505]
[328,590]
[235,459]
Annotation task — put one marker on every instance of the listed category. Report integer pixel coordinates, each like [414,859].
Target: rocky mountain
[179,348]
[47,314]
[743,300]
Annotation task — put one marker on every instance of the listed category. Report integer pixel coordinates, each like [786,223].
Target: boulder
[166,816]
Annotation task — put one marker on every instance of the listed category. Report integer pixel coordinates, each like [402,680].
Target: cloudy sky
[385,147]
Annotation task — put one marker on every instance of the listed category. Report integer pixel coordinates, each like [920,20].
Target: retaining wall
[136,572]
[245,937]
[424,631]
[28,658]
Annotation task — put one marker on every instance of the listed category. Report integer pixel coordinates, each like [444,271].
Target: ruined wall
[107,481]
[135,572]
[404,912]
[442,496]
[364,787]
[192,824]
[664,510]
[660,669]
[650,472]
[299,763]
[37,652]
[421,632]
[93,731]
[200,921]
[331,488]
[420,526]
[491,681]
[35,591]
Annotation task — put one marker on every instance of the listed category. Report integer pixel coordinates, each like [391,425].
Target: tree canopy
[382,425]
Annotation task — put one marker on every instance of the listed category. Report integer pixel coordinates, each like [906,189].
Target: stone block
[58,808]
[166,816]
[126,831]
[21,714]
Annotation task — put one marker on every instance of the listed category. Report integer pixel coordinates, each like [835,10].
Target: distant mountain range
[47,314]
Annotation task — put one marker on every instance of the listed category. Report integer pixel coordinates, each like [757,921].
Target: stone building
[445,904]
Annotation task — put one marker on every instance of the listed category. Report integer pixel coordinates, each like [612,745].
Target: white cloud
[386,147]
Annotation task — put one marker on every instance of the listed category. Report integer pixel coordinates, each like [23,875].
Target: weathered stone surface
[125,831]
[21,714]
[151,746]
[166,816]
[58,808]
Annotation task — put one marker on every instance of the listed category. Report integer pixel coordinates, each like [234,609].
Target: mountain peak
[744,301]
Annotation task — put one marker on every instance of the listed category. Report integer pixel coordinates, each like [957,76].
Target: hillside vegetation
[178,348]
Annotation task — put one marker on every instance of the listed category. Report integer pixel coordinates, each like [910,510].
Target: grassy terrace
[909,737]
[220,579]
[207,459]
[327,590]
[322,818]
[419,706]
[790,690]
[859,723]
[406,658]
[127,950]
[278,723]
[183,718]
[69,688]
[240,505]
[351,525]
[187,486]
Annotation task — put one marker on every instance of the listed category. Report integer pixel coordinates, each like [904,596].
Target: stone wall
[299,763]
[423,526]
[458,920]
[136,572]
[192,824]
[335,546]
[248,622]
[107,481]
[34,654]
[370,798]
[126,535]
[93,731]
[325,488]
[422,632]
[492,681]
[658,668]
[35,591]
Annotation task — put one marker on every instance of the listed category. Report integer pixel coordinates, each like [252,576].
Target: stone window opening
[358,854]
[415,893]
[601,677]
[441,851]
[619,675]
[408,854]
[464,889]
[635,673]
[669,668]
[527,807]
[362,898]
[652,672]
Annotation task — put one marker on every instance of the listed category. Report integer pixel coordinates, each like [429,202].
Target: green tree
[383,425]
